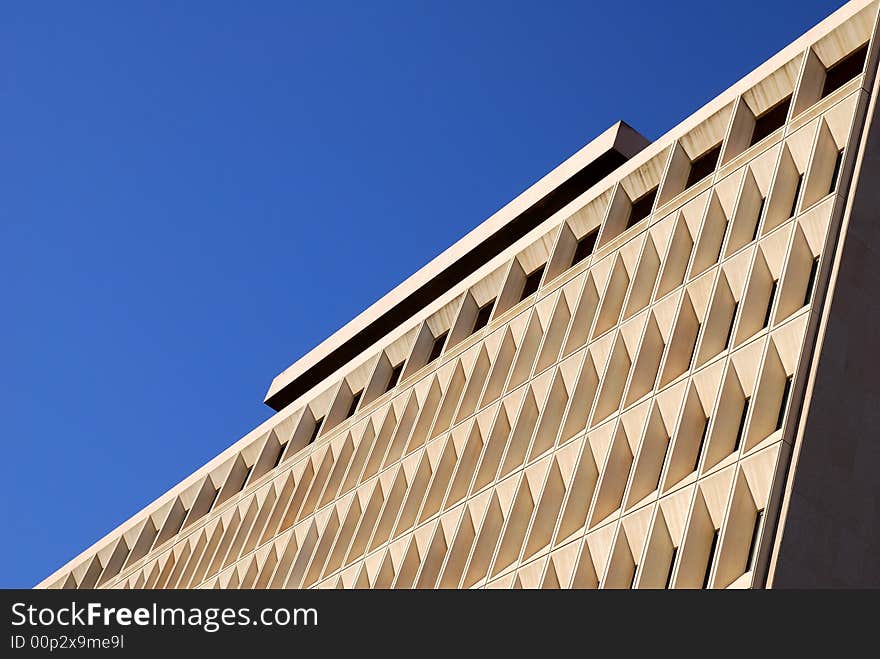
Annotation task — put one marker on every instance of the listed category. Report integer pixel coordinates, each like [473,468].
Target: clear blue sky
[184,187]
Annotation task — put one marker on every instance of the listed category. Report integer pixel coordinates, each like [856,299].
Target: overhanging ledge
[578,173]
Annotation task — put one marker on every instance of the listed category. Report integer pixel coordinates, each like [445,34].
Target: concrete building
[655,368]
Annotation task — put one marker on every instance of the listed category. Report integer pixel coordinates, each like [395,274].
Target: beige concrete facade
[628,377]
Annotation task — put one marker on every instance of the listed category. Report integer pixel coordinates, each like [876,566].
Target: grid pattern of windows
[599,412]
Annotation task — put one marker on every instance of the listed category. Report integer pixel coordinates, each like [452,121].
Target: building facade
[655,368]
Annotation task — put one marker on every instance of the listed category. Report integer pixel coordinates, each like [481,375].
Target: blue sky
[185,187]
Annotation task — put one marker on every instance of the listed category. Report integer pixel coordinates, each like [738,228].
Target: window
[437,347]
[753,545]
[845,70]
[712,549]
[694,347]
[585,247]
[730,328]
[704,165]
[702,443]
[533,280]
[811,280]
[721,242]
[771,120]
[278,457]
[641,208]
[783,403]
[247,474]
[742,424]
[797,193]
[758,219]
[355,399]
[394,378]
[835,174]
[770,302]
[663,462]
[316,430]
[214,498]
[483,315]
[671,567]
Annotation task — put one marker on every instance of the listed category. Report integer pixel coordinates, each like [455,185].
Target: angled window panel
[560,567]
[418,470]
[452,394]
[497,438]
[693,427]
[713,232]
[384,437]
[443,458]
[614,381]
[623,566]
[612,299]
[645,278]
[517,521]
[655,446]
[614,475]
[394,488]
[580,491]
[650,347]
[547,511]
[372,498]
[681,244]
[366,435]
[582,378]
[486,539]
[555,334]
[468,440]
[550,418]
[584,313]
[474,384]
[584,576]
[600,543]
[429,394]
[407,409]
[699,551]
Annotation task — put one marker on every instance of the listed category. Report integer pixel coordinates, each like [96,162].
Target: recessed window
[770,121]
[702,443]
[533,280]
[730,327]
[811,281]
[394,378]
[437,347]
[355,400]
[713,547]
[247,474]
[786,393]
[641,208]
[483,315]
[278,457]
[316,430]
[742,424]
[694,347]
[663,462]
[797,194]
[758,219]
[704,165]
[214,498]
[671,567]
[773,288]
[753,545]
[585,247]
[845,70]
[835,174]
